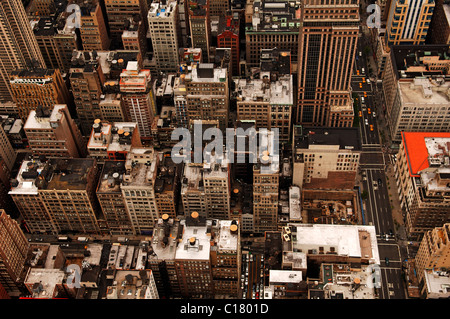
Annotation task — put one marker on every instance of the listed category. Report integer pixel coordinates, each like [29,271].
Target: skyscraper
[17,43]
[163,29]
[13,252]
[327,46]
[409,21]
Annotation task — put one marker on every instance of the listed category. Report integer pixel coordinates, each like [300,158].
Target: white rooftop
[285,276]
[200,249]
[344,238]
[438,284]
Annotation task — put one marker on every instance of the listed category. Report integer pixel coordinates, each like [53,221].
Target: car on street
[373,113]
[366,121]
[375,185]
[371,127]
[380,182]
[368,81]
[360,114]
[360,85]
[368,110]
[387,261]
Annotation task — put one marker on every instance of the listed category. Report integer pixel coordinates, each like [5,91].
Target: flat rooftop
[345,239]
[195,243]
[111,177]
[346,138]
[417,149]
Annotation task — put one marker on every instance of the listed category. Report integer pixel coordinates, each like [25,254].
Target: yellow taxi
[368,110]
[360,114]
[371,127]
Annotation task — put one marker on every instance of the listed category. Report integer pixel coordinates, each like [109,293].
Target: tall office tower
[56,40]
[35,86]
[7,153]
[225,257]
[217,186]
[164,31]
[65,187]
[266,175]
[183,23]
[439,30]
[228,37]
[326,158]
[25,194]
[119,11]
[112,141]
[166,234]
[167,187]
[269,25]
[415,80]
[385,6]
[134,36]
[111,107]
[434,251]
[137,97]
[54,133]
[87,80]
[422,180]
[268,100]
[111,199]
[409,21]
[193,191]
[326,53]
[207,96]
[18,45]
[138,189]
[94,34]
[179,99]
[13,253]
[200,26]
[44,7]
[192,259]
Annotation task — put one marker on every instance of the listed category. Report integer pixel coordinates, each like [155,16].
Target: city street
[377,204]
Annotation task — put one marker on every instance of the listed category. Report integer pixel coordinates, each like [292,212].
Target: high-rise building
[439,30]
[138,189]
[56,40]
[111,199]
[266,175]
[326,158]
[164,32]
[409,21]
[54,133]
[7,153]
[433,252]
[225,257]
[326,54]
[61,199]
[119,11]
[87,80]
[167,187]
[13,252]
[134,36]
[192,259]
[421,173]
[32,87]
[207,96]
[94,34]
[268,101]
[137,97]
[200,26]
[228,37]
[166,234]
[271,25]
[18,45]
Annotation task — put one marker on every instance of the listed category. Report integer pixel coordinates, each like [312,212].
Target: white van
[363,71]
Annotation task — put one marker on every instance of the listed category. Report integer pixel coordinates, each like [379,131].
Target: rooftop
[345,239]
[165,239]
[227,239]
[425,91]
[112,175]
[437,284]
[345,138]
[285,276]
[43,281]
[195,242]
[261,90]
[418,145]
